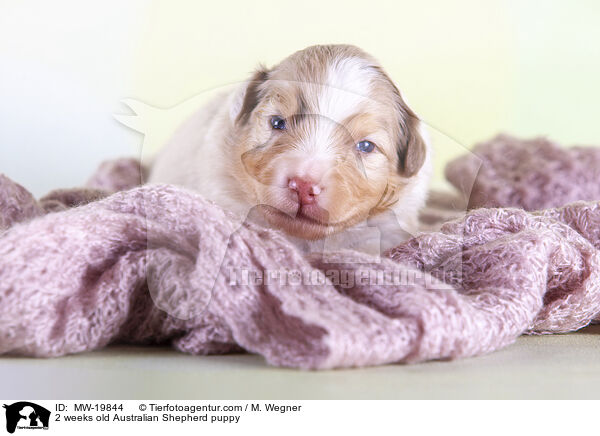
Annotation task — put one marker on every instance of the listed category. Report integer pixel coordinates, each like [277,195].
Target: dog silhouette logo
[26,415]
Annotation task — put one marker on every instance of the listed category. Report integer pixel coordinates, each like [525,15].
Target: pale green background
[469,68]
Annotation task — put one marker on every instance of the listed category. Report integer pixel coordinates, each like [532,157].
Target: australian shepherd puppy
[320,146]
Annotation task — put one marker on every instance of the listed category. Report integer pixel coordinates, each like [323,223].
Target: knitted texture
[159,264]
[529,174]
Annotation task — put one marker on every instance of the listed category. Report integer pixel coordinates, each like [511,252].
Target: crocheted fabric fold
[84,268]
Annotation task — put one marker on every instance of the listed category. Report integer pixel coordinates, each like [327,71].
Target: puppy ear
[412,148]
[248,96]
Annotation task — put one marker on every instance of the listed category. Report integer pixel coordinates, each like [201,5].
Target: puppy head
[323,140]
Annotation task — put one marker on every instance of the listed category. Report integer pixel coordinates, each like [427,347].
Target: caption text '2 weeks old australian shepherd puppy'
[321,146]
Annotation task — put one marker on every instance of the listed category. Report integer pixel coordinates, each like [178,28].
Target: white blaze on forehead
[347,85]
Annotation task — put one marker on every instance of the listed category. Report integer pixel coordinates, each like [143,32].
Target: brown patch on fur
[412,153]
[360,126]
[306,66]
[251,97]
[411,147]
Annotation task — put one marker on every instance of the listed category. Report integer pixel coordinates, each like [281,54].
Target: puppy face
[324,140]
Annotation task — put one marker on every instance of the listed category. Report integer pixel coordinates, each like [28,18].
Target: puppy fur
[331,97]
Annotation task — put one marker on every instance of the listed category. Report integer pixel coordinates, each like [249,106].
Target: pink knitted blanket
[84,268]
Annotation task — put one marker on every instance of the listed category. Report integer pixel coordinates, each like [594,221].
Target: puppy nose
[306,189]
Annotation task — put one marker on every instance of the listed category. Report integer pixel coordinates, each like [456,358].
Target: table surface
[539,367]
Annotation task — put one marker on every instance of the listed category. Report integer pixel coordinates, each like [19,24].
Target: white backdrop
[64,66]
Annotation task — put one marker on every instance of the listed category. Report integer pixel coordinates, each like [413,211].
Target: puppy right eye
[277,123]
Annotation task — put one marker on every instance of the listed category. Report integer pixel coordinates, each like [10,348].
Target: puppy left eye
[277,123]
[365,146]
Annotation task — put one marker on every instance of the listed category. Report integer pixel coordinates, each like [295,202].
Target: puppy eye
[365,146]
[277,123]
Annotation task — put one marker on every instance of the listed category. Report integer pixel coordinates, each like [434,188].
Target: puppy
[320,146]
